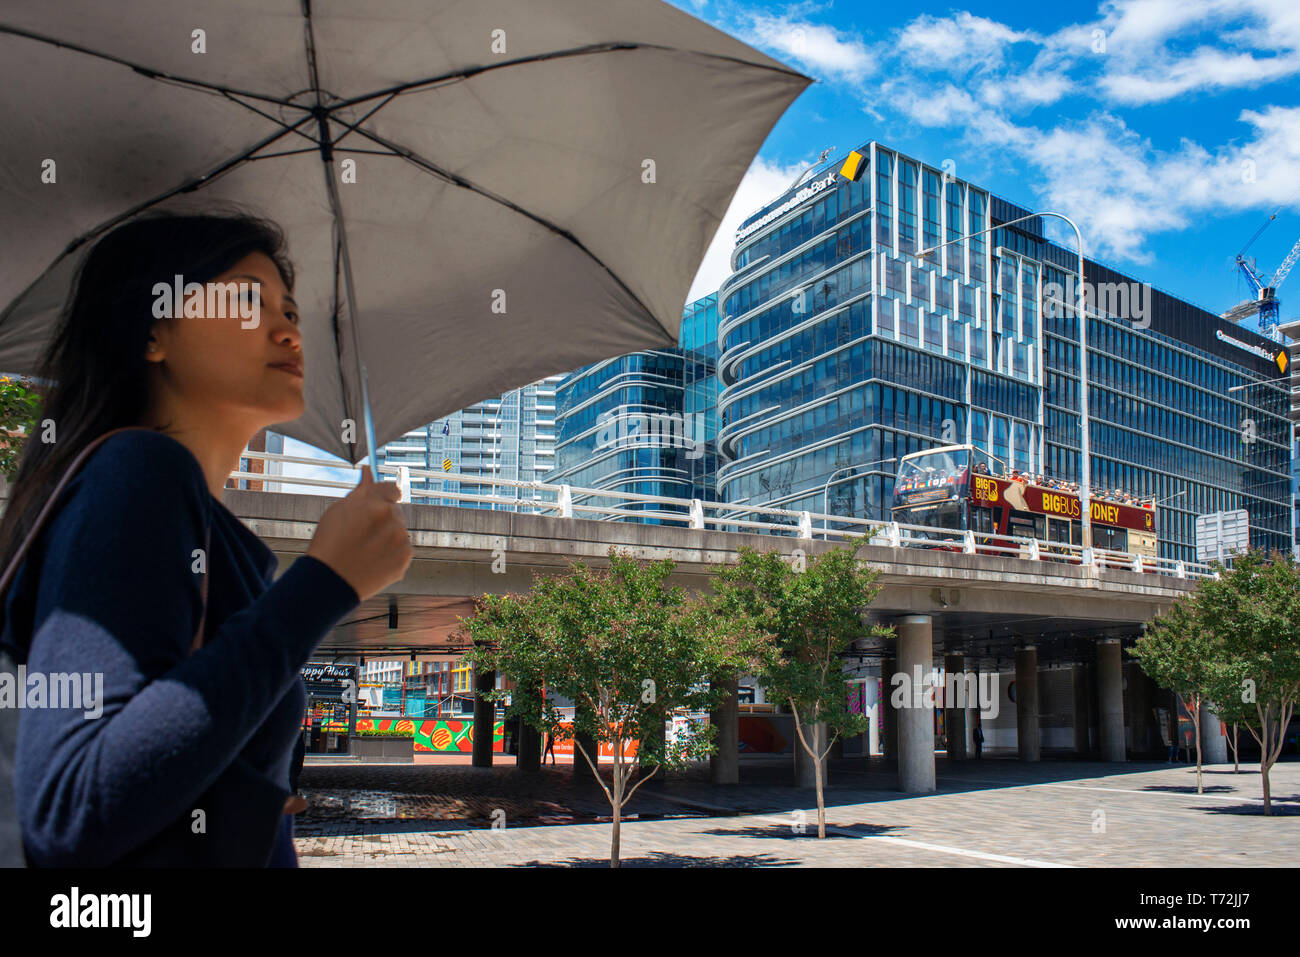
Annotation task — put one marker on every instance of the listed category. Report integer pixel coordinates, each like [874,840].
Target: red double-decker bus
[951,488]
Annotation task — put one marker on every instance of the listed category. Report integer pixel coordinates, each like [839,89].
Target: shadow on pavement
[787,832]
[659,859]
[344,797]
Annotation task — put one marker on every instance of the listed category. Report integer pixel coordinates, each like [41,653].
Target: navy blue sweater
[112,586]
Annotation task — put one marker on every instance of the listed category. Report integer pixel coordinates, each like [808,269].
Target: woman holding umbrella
[143,584]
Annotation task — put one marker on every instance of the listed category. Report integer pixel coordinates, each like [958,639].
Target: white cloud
[1039,85]
[1164,78]
[1156,50]
[1121,190]
[763,182]
[819,49]
[959,43]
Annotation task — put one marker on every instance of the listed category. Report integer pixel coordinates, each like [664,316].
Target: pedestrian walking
[202,700]
[550,748]
[978,737]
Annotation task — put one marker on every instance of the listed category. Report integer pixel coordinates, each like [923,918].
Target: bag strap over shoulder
[15,562]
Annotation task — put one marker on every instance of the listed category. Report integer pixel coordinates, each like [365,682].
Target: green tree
[1177,652]
[625,647]
[1235,643]
[804,615]
[1253,609]
[19,408]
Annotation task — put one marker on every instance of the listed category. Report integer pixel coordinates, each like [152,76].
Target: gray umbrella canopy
[477,194]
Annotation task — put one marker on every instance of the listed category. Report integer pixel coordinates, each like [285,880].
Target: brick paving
[985,814]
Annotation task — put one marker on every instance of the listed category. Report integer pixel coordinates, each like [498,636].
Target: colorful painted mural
[436,734]
[606,749]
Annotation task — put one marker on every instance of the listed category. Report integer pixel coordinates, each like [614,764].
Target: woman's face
[234,348]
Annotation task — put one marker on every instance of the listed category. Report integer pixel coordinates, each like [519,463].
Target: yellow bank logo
[1281,360]
[853,166]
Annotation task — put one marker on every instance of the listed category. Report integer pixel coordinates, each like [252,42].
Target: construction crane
[1265,304]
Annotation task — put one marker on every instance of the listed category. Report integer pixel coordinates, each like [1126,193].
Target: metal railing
[566,501]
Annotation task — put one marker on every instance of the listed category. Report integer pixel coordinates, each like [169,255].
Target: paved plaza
[993,813]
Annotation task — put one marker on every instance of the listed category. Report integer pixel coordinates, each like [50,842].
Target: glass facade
[1290,332]
[644,423]
[873,320]
[511,437]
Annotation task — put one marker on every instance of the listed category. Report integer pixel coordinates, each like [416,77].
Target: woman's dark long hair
[97,375]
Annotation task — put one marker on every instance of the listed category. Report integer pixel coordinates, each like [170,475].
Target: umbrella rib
[310,38]
[145,71]
[267,116]
[313,149]
[185,187]
[349,127]
[590,48]
[457,180]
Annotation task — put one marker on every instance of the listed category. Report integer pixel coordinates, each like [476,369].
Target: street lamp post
[1085,471]
[496,442]
[826,489]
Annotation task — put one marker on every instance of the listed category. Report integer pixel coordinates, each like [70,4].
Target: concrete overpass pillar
[954,717]
[1027,737]
[805,770]
[484,713]
[1110,699]
[888,713]
[915,725]
[724,763]
[1079,688]
[1143,736]
[1214,746]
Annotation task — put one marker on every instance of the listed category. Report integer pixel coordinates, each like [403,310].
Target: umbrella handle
[368,423]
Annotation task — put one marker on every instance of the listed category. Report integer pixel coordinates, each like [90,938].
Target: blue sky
[1168,129]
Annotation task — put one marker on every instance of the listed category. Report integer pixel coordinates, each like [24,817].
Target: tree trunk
[821,799]
[618,806]
[1196,726]
[1265,754]
[1236,766]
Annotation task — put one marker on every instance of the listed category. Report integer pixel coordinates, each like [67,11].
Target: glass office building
[511,437]
[842,350]
[645,422]
[1290,331]
[699,346]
